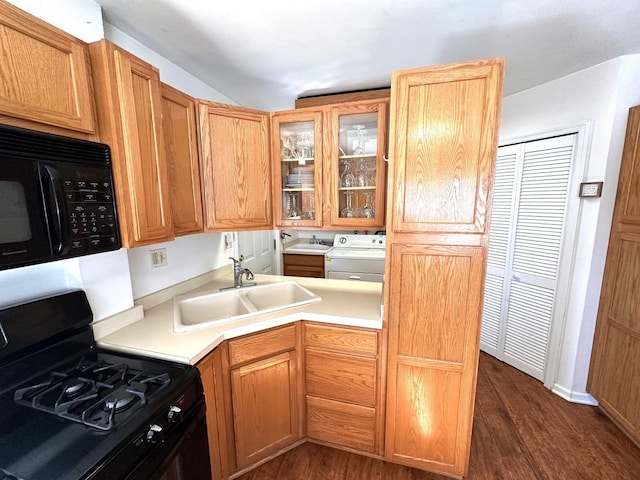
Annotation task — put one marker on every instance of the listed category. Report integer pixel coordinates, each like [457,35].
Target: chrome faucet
[314,241]
[239,272]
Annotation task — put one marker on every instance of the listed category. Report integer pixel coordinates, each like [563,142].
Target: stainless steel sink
[193,311]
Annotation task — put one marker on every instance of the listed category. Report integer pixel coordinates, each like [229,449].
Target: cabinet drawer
[340,339]
[341,377]
[303,260]
[263,344]
[340,423]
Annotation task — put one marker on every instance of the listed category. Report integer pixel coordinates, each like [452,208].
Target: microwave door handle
[58,211]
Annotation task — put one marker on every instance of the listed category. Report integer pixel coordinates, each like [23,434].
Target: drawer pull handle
[354,277]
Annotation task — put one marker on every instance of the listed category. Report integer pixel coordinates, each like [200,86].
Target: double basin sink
[194,311]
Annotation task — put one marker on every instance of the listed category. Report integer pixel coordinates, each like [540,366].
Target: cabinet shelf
[353,189]
[298,189]
[298,160]
[354,157]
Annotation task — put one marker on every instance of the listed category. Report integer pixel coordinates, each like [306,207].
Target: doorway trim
[568,248]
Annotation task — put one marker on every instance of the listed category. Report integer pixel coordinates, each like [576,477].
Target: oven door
[183,455]
[24,229]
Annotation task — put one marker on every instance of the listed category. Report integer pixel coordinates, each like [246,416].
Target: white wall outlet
[158,257]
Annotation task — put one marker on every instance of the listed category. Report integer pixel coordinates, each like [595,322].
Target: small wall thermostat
[590,189]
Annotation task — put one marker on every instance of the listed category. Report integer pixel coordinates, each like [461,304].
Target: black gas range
[72,411]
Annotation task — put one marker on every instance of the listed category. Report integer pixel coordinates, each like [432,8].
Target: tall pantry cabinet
[614,376]
[443,133]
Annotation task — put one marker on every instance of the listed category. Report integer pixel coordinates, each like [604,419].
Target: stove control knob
[175,414]
[342,240]
[154,434]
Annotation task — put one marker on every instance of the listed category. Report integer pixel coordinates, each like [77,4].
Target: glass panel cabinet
[329,168]
[356,166]
[297,156]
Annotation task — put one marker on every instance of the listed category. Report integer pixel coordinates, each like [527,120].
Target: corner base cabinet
[443,143]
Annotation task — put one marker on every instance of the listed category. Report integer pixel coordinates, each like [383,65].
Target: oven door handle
[57,211]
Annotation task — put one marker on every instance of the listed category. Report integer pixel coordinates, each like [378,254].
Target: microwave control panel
[91,211]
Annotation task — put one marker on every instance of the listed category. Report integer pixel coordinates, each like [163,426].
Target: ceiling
[265,54]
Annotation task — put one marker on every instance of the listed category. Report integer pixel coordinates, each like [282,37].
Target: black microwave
[56,198]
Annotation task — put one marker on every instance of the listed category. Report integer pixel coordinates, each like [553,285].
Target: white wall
[600,97]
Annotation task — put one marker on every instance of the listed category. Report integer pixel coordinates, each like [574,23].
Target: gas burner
[119,404]
[74,387]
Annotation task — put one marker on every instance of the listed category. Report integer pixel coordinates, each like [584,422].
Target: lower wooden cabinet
[303,265]
[343,385]
[265,392]
[264,407]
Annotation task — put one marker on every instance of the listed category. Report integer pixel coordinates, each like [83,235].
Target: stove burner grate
[96,394]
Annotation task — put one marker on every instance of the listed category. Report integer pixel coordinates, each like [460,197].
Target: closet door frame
[568,249]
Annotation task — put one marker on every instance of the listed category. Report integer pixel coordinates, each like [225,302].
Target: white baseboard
[582,398]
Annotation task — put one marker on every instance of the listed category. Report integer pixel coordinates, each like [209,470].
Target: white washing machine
[356,257]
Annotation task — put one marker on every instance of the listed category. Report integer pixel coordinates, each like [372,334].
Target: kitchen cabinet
[329,171]
[443,131]
[614,378]
[344,387]
[297,160]
[130,121]
[298,265]
[266,393]
[45,75]
[179,129]
[236,168]
[355,173]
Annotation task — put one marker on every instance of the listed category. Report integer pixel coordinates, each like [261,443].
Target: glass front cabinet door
[297,160]
[355,170]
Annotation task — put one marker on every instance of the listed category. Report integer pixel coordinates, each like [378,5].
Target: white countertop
[343,302]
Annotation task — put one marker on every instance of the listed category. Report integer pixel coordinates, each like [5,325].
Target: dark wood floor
[521,431]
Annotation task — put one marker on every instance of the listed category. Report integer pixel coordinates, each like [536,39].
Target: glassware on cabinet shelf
[347,179]
[292,206]
[348,211]
[368,211]
[360,149]
[363,179]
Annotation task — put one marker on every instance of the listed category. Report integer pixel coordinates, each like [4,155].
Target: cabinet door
[296,149]
[433,351]
[45,75]
[236,167]
[445,126]
[355,176]
[615,362]
[265,407]
[179,128]
[444,123]
[128,97]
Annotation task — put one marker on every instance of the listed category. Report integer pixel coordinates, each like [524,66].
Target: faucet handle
[236,263]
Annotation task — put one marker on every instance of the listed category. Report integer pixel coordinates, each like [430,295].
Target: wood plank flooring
[521,431]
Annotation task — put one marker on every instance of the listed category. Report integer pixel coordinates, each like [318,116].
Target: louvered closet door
[527,227]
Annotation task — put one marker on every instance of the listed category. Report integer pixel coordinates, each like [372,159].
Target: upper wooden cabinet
[44,74]
[130,120]
[296,148]
[444,124]
[615,362]
[329,170]
[179,127]
[236,167]
[355,172]
[444,131]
